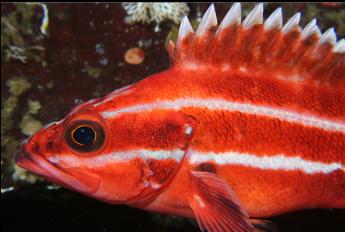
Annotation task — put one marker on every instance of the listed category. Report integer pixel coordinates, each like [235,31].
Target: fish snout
[34,156]
[43,143]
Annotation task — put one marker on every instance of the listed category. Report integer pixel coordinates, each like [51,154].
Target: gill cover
[174,131]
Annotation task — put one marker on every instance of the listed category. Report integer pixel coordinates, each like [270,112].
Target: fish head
[60,150]
[115,159]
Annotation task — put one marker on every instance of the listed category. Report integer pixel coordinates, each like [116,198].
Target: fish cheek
[162,171]
[123,180]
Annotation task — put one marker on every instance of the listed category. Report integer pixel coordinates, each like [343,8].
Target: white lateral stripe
[276,162]
[220,104]
[68,161]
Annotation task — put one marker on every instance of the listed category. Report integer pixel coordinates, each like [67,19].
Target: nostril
[29,147]
[36,148]
[50,147]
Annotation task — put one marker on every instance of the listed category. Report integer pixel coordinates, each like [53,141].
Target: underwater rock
[18,85]
[20,174]
[92,71]
[34,106]
[331,4]
[17,26]
[9,147]
[6,113]
[29,125]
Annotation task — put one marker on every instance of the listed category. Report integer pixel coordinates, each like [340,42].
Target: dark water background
[82,58]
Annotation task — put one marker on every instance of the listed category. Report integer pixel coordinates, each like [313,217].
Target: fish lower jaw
[70,179]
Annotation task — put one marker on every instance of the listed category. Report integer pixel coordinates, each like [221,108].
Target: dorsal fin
[261,45]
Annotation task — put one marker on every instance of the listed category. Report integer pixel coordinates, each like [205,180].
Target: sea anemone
[147,13]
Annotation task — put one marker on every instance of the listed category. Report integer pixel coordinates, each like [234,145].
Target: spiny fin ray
[208,21]
[329,36]
[285,51]
[310,29]
[185,29]
[275,20]
[293,23]
[254,17]
[232,17]
[340,46]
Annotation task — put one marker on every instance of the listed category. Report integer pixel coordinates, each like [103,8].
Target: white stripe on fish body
[274,162]
[221,104]
[68,161]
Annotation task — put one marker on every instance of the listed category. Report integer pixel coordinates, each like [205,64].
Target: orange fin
[215,205]
[260,46]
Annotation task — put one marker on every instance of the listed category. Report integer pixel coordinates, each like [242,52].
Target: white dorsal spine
[275,20]
[208,20]
[340,46]
[329,36]
[310,29]
[254,17]
[316,31]
[185,29]
[232,17]
[292,23]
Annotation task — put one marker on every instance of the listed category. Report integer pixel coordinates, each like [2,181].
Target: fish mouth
[68,178]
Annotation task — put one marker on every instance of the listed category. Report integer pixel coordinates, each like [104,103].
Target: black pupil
[84,135]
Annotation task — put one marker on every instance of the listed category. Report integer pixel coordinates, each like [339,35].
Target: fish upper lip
[37,164]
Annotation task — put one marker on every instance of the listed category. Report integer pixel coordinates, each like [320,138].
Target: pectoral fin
[216,206]
[264,225]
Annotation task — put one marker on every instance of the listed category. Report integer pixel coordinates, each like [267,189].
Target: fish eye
[84,136]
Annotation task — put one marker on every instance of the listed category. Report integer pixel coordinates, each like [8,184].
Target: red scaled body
[248,122]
